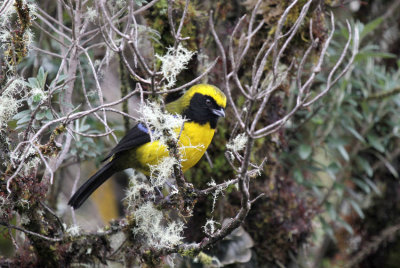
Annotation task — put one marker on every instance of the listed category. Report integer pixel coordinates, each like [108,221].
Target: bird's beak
[219,112]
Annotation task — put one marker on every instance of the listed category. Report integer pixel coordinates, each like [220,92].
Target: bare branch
[330,83]
[225,72]
[65,120]
[30,232]
[145,7]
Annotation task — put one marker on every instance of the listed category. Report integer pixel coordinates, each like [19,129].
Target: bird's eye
[208,102]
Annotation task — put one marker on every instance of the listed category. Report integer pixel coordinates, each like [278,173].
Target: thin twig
[30,232]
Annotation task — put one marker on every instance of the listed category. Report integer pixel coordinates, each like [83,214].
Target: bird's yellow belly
[193,143]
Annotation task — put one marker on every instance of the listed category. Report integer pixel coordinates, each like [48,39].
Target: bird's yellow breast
[193,143]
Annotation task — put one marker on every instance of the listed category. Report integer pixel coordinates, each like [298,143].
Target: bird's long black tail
[91,185]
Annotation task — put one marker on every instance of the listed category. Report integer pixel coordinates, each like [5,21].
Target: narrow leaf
[388,165]
[345,225]
[22,114]
[357,208]
[355,133]
[364,186]
[375,142]
[304,151]
[372,185]
[344,153]
[364,164]
[369,27]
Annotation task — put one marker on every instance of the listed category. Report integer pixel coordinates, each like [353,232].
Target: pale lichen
[4,205]
[160,122]
[73,230]
[161,172]
[16,40]
[218,190]
[24,219]
[133,195]
[150,225]
[238,143]
[11,99]
[91,14]
[23,203]
[173,62]
[209,227]
[38,94]
[32,160]
[8,108]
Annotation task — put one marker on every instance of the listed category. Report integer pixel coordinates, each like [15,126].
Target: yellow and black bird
[201,106]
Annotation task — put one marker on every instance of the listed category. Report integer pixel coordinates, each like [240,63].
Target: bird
[201,106]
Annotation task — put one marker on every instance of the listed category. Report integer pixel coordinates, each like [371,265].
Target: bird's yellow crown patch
[178,106]
[208,90]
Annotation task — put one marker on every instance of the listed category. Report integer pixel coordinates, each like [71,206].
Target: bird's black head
[204,109]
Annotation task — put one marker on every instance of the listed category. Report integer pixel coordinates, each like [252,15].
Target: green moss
[204,258]
[18,48]
[158,20]
[188,253]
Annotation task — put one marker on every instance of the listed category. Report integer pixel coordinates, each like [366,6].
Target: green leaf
[372,185]
[345,225]
[140,2]
[317,191]
[61,78]
[355,133]
[84,128]
[364,186]
[20,127]
[364,164]
[22,114]
[369,27]
[335,142]
[304,151]
[388,165]
[85,147]
[298,176]
[23,120]
[41,78]
[375,142]
[330,208]
[327,229]
[318,120]
[344,153]
[37,98]
[33,82]
[339,188]
[40,115]
[374,54]
[357,208]
[40,75]
[49,114]
[332,169]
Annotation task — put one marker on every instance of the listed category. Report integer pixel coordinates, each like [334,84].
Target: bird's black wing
[136,136]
